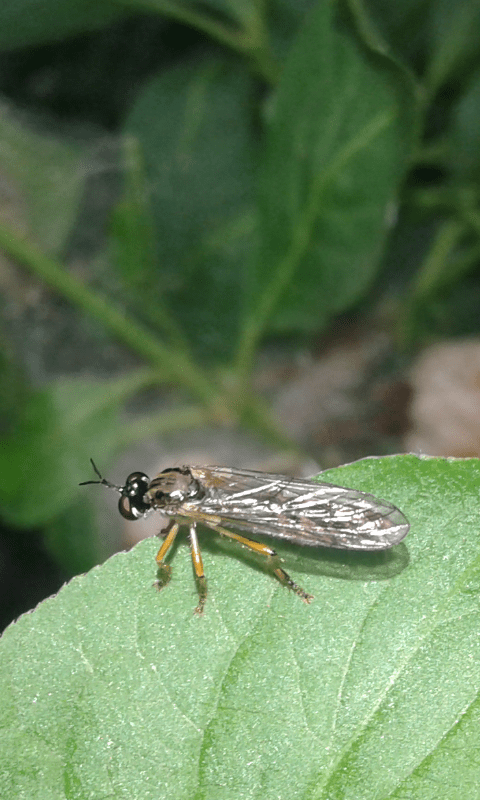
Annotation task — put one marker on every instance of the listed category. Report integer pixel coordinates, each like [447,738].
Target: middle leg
[198,568]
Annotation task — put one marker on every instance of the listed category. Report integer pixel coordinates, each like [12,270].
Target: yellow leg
[271,556]
[165,570]
[198,568]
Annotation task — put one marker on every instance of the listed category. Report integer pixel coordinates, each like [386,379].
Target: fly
[293,509]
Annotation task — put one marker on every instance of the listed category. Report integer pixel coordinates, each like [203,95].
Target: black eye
[131,504]
[127,510]
[136,483]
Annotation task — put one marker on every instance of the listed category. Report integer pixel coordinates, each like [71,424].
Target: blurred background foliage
[191,189]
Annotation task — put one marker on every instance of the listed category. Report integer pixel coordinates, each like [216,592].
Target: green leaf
[45,457]
[193,125]
[28,22]
[112,690]
[132,239]
[13,388]
[333,163]
[48,175]
[464,161]
[405,25]
[239,10]
[454,30]
[132,245]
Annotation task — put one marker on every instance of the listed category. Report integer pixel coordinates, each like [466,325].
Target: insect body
[294,509]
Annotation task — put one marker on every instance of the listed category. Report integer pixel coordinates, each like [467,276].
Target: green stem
[188,15]
[175,364]
[434,266]
[249,42]
[434,274]
[164,422]
[130,383]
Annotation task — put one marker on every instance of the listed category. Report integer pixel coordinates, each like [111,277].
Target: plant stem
[250,41]
[173,363]
[168,363]
[165,421]
[435,266]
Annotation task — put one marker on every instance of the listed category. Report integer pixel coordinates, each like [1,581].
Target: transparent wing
[303,511]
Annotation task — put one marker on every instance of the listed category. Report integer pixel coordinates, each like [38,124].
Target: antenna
[102,480]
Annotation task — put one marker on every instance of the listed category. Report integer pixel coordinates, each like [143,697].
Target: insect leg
[198,568]
[165,570]
[270,554]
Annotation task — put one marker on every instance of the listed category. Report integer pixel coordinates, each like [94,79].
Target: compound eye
[128,509]
[131,504]
[136,484]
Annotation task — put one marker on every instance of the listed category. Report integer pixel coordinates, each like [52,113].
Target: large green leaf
[464,161]
[112,690]
[45,457]
[48,174]
[453,30]
[405,26]
[334,159]
[29,22]
[193,124]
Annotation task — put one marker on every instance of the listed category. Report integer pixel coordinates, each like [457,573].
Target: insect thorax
[171,488]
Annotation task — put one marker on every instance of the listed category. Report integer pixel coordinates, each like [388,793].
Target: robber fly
[294,509]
